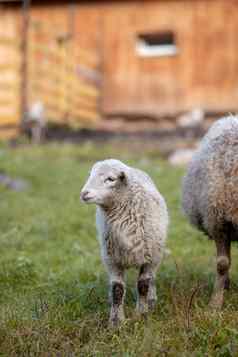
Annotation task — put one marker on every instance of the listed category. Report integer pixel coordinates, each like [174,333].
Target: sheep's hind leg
[223,246]
[146,289]
[117,295]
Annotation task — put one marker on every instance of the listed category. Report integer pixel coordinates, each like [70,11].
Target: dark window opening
[156,44]
[158,38]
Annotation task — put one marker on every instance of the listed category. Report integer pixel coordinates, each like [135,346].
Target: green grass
[53,287]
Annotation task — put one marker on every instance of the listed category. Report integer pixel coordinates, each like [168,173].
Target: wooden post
[24,51]
[70,60]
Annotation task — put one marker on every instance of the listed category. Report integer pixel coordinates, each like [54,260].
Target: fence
[60,75]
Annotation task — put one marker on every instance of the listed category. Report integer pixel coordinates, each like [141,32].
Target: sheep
[132,221]
[210,196]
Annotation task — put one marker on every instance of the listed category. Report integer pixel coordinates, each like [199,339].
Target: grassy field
[53,299]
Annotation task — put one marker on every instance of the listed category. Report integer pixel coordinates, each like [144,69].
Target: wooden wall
[102,39]
[10,65]
[203,74]
[63,66]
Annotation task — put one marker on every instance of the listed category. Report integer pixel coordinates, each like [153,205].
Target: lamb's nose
[84,195]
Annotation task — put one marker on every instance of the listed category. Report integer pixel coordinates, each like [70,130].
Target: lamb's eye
[110,179]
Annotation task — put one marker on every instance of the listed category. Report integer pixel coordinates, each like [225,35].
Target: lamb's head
[106,183]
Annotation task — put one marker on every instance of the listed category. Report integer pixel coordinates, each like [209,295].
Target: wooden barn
[90,59]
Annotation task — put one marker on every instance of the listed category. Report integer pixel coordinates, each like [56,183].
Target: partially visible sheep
[210,195]
[132,223]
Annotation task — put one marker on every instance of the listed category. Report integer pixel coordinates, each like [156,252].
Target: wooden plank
[8,119]
[85,57]
[6,134]
[8,102]
[12,109]
[51,98]
[15,66]
[10,76]
[58,114]
[86,115]
[57,106]
[52,32]
[9,88]
[51,89]
[7,54]
[10,42]
[46,27]
[52,50]
[83,102]
[53,76]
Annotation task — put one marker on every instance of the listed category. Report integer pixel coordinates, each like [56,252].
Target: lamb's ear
[122,176]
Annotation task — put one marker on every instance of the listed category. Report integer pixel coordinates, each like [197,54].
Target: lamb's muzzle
[85,196]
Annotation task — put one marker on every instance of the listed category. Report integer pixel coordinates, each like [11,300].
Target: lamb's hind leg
[223,246]
[146,289]
[117,295]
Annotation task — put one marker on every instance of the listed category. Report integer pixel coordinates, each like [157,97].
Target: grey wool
[132,222]
[210,195]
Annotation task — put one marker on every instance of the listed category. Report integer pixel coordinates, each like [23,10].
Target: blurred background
[106,69]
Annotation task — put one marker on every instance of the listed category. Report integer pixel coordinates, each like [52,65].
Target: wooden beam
[24,51]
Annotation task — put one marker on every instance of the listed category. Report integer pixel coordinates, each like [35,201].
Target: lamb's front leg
[146,289]
[117,295]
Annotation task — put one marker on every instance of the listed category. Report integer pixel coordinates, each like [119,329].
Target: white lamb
[132,221]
